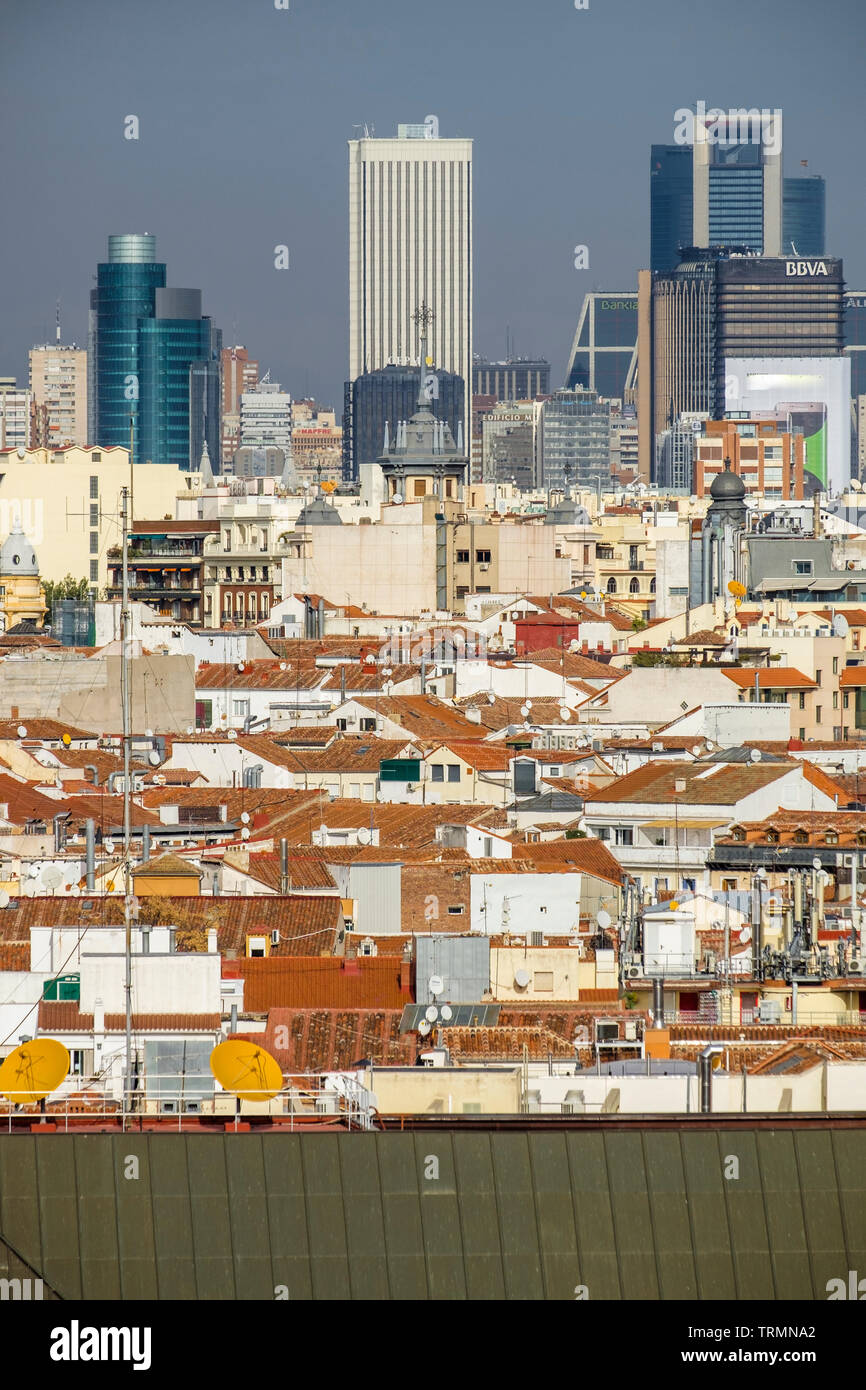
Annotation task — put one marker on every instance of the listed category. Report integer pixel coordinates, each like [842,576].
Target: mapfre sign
[805,267]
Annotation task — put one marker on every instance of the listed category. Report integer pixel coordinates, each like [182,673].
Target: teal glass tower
[125,294]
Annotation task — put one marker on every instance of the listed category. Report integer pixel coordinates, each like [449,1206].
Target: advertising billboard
[804,395]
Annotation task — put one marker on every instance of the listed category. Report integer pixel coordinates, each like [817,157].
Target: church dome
[17,555]
[727,486]
[319,513]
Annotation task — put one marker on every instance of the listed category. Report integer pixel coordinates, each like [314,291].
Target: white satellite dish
[4,898]
[423,1027]
[431,1013]
[75,891]
[745,934]
[159,780]
[604,920]
[710,745]
[529,704]
[363,836]
[573,645]
[233,733]
[446,1012]
[855,485]
[190,729]
[108,846]
[245,833]
[521,978]
[696,749]
[435,985]
[245,817]
[153,758]
[526,724]
[51,876]
[491,698]
[148,733]
[564,712]
[524,710]
[35,870]
[282,666]
[240,665]
[841,626]
[755,755]
[397,499]
[21,731]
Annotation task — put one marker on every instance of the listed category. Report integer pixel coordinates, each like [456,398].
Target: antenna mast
[127,885]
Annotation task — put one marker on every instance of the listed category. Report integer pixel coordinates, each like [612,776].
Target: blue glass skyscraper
[154,358]
[125,294]
[671,183]
[803,216]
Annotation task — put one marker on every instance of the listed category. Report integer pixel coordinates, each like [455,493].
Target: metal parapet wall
[652,1214]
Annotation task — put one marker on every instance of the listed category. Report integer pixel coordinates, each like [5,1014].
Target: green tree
[56,589]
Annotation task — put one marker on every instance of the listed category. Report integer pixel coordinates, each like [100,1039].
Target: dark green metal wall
[639,1215]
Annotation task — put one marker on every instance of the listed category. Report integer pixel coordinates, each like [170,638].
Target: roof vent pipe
[91,767]
[658,1003]
[90,855]
[284,867]
[145,843]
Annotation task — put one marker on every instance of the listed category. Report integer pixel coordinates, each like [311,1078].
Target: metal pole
[127,885]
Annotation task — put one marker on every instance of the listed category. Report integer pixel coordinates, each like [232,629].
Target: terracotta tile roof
[499,713]
[258,675]
[484,757]
[68,1018]
[310,982]
[399,825]
[573,664]
[820,779]
[167,866]
[705,638]
[265,867]
[423,716]
[45,730]
[333,1039]
[258,801]
[853,677]
[848,825]
[306,736]
[15,955]
[588,856]
[769,678]
[368,677]
[661,783]
[349,753]
[467,1044]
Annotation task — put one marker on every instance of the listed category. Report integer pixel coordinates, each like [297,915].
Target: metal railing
[173,1101]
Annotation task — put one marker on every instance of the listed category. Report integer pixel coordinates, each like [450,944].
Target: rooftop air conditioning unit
[536,938]
[633,972]
[855,966]
[607,1032]
[769,1011]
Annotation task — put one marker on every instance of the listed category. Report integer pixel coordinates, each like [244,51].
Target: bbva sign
[805,267]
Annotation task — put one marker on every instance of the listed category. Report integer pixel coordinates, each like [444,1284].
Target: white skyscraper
[410,243]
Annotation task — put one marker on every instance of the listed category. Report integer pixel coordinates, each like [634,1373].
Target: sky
[244,111]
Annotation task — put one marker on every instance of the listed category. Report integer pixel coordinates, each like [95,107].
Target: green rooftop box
[400,770]
[63,987]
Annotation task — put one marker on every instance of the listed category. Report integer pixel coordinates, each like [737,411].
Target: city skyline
[223,185]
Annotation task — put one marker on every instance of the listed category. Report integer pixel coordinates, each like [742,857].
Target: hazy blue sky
[245,111]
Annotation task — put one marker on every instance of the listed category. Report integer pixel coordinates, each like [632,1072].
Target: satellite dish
[526,724]
[363,836]
[232,734]
[431,1013]
[35,870]
[240,665]
[246,1069]
[245,833]
[841,626]
[446,1012]
[66,739]
[564,712]
[282,666]
[51,876]
[397,499]
[745,934]
[435,985]
[153,758]
[816,863]
[33,1071]
[148,733]
[755,755]
[245,817]
[855,485]
[21,731]
[574,644]
[190,729]
[529,704]
[4,898]
[604,919]
[710,745]
[108,846]
[524,710]
[491,698]
[521,978]
[673,905]
[75,890]
[423,1027]
[109,887]
[159,780]
[696,749]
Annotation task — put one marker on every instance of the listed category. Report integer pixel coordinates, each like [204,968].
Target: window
[845,700]
[801,566]
[802,700]
[653,585]
[611,585]
[623,835]
[601,832]
[437,772]
[463,557]
[455,911]
[835,699]
[368,726]
[94,488]
[227,540]
[553,772]
[94,571]
[835,665]
[96,456]
[482,557]
[729,885]
[818,714]
[94,542]
[738,833]
[419,486]
[94,513]
[265,604]
[453,772]
[800,837]
[831,838]
[543,982]
[634,586]
[256,946]
[772,837]
[818,677]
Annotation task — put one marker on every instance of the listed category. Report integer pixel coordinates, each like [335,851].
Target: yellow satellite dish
[329,485]
[246,1069]
[673,905]
[66,739]
[736,588]
[429,361]
[33,1071]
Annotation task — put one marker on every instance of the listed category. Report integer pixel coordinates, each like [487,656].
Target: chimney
[98,1016]
[212,941]
[90,855]
[473,715]
[145,843]
[405,977]
[234,1022]
[658,1003]
[284,867]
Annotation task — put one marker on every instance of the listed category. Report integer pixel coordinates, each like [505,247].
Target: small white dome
[17,555]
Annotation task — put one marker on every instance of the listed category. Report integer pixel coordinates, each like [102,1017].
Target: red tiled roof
[310,982]
[769,678]
[68,1018]
[333,1039]
[658,783]
[588,856]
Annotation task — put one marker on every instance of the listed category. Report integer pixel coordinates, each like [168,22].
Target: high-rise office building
[671,197]
[153,360]
[240,373]
[58,381]
[675,452]
[804,216]
[179,406]
[17,416]
[855,347]
[737,180]
[603,355]
[388,396]
[721,303]
[517,379]
[510,443]
[575,440]
[266,417]
[124,296]
[410,244]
